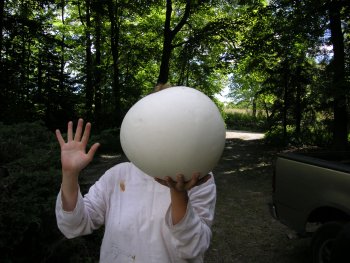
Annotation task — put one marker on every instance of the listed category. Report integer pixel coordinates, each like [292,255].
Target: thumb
[93,150]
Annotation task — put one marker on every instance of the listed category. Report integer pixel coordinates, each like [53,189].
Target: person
[146,219]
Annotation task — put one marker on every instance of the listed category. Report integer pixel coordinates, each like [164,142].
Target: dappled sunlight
[110,156]
[244,135]
[240,158]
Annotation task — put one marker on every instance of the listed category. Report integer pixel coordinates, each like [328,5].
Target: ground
[244,230]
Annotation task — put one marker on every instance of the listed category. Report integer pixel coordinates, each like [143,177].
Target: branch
[80,16]
[183,19]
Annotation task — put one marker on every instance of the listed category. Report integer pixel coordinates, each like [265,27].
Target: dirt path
[244,231]
[243,135]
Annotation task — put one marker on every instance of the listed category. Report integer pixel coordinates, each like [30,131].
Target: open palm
[74,157]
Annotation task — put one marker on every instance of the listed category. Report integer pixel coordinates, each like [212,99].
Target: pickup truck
[311,195]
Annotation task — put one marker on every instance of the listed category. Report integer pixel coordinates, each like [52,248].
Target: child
[146,220]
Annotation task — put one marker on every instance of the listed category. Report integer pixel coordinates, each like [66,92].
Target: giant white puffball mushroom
[178,130]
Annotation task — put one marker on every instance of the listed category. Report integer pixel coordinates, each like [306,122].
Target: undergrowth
[30,179]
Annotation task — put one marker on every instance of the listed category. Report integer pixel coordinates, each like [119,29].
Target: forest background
[287,62]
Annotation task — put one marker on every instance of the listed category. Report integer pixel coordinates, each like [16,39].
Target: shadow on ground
[244,230]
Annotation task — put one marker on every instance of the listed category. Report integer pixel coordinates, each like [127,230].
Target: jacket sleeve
[192,234]
[89,213]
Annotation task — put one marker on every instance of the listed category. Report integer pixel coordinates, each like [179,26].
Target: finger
[93,150]
[86,135]
[180,181]
[170,182]
[204,179]
[59,138]
[70,131]
[79,130]
[193,182]
[161,181]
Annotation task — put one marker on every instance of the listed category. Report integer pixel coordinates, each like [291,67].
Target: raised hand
[74,159]
[73,152]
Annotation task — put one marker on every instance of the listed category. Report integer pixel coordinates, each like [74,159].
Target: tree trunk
[286,77]
[89,84]
[168,38]
[298,113]
[97,69]
[61,80]
[114,35]
[3,85]
[298,99]
[340,132]
[2,6]
[254,105]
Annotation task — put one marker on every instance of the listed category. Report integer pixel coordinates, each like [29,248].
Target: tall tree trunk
[97,67]
[167,39]
[298,98]
[298,113]
[340,132]
[168,36]
[285,99]
[2,12]
[40,81]
[22,88]
[113,11]
[254,105]
[89,84]
[3,85]
[62,62]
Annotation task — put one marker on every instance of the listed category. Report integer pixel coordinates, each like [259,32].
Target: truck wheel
[341,246]
[322,241]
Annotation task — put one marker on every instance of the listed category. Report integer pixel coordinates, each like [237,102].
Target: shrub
[245,121]
[316,136]
[27,146]
[27,196]
[276,137]
[109,140]
[28,229]
[27,219]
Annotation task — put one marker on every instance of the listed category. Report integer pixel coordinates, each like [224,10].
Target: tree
[289,40]
[339,87]
[168,37]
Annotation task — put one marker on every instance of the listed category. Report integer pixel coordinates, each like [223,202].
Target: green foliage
[63,59]
[27,219]
[28,229]
[28,193]
[277,137]
[28,145]
[284,67]
[316,135]
[245,121]
[109,140]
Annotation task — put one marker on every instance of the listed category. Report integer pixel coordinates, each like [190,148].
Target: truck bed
[339,161]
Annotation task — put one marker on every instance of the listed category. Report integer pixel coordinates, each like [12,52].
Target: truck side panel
[301,187]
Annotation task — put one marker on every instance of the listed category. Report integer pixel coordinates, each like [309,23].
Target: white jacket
[135,210]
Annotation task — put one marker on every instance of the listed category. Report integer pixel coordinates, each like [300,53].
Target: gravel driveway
[243,135]
[244,230]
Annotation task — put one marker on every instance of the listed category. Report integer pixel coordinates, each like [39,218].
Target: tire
[341,247]
[323,240]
